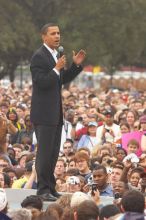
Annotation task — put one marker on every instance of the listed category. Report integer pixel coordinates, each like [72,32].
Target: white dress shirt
[54,54]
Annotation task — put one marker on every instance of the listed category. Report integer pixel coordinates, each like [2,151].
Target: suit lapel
[49,55]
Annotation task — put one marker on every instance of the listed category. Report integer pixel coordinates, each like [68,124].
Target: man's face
[100,178]
[59,169]
[115,175]
[17,152]
[52,37]
[67,148]
[109,119]
[82,165]
[119,187]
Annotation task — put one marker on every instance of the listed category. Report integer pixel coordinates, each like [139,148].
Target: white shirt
[109,138]
[54,54]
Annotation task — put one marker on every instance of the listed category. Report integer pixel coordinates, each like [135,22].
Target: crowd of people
[102,154]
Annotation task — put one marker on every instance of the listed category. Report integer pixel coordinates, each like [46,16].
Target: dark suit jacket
[46,105]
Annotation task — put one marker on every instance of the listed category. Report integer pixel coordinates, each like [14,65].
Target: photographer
[109,131]
[100,181]
[6,127]
[73,184]
[131,173]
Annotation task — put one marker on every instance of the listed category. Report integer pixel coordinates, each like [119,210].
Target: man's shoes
[48,197]
[56,194]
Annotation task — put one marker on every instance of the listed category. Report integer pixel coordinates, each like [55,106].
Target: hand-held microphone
[60,51]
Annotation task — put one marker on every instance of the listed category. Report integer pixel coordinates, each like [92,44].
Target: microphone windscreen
[60,51]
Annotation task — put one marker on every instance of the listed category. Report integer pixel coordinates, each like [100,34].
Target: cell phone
[93,189]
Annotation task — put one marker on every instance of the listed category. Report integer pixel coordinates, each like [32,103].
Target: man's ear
[75,215]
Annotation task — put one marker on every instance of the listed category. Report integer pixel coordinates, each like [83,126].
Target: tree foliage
[112,32]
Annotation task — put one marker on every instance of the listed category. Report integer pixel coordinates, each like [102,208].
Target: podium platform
[16,196]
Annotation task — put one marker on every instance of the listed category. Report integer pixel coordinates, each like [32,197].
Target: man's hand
[79,57]
[61,63]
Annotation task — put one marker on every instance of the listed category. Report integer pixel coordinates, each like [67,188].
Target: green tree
[112,32]
[17,38]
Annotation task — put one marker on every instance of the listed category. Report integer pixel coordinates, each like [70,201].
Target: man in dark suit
[48,75]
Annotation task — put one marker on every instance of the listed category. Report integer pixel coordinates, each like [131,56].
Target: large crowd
[102,154]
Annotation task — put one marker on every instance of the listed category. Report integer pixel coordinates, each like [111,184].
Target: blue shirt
[108,191]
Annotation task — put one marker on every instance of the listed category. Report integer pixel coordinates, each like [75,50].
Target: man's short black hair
[32,201]
[100,167]
[133,201]
[108,211]
[44,29]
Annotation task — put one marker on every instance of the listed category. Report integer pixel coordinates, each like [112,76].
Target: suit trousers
[48,138]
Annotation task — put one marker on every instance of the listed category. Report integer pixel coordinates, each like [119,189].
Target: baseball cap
[108,112]
[92,123]
[3,199]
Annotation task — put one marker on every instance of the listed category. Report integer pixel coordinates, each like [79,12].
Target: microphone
[60,51]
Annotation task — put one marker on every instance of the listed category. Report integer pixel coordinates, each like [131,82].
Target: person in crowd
[116,173]
[6,128]
[34,204]
[4,162]
[107,211]
[56,209]
[80,130]
[13,117]
[132,146]
[86,210]
[71,163]
[67,149]
[59,168]
[142,122]
[100,179]
[18,148]
[73,184]
[133,204]
[82,164]
[120,154]
[89,140]
[119,188]
[3,205]
[11,172]
[20,214]
[65,200]
[131,117]
[20,183]
[125,128]
[27,131]
[109,131]
[48,76]
[11,154]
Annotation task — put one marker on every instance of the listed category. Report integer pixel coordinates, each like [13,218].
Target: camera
[27,147]
[109,161]
[117,195]
[80,119]
[107,130]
